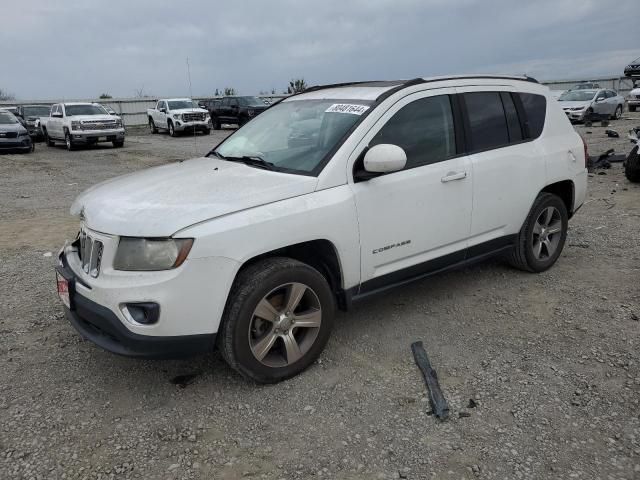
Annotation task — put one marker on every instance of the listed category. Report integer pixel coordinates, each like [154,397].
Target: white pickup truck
[178,115]
[81,124]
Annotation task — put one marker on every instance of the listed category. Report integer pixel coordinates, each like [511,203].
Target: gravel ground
[550,360]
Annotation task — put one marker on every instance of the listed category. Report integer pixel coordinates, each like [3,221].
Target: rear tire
[542,237]
[618,113]
[632,166]
[262,336]
[152,126]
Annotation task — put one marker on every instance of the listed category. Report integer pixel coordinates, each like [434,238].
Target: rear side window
[535,109]
[424,129]
[487,121]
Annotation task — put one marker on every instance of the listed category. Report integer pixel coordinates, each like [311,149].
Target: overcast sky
[81,48]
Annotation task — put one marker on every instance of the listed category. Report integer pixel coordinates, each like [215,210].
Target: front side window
[294,135]
[487,121]
[73,110]
[424,129]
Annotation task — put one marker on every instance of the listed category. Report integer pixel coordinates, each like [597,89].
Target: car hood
[13,127]
[96,118]
[160,201]
[566,104]
[635,91]
[190,110]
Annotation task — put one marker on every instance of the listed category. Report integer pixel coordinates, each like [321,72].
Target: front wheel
[207,131]
[542,237]
[68,141]
[118,143]
[277,321]
[216,123]
[172,129]
[47,138]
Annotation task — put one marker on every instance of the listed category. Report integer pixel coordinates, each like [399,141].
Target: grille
[90,253]
[97,125]
[193,117]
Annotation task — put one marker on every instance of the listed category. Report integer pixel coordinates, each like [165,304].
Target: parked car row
[234,110]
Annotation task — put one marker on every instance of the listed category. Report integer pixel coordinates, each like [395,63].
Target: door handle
[451,176]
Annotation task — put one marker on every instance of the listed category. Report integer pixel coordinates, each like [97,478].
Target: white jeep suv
[327,197]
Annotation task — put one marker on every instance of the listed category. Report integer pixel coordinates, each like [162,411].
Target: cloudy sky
[81,48]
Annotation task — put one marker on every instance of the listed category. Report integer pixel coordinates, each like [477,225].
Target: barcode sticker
[347,108]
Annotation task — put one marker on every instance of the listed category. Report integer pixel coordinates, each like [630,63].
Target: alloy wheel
[547,232]
[285,325]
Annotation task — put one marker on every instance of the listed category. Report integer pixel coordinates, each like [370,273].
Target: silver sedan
[578,104]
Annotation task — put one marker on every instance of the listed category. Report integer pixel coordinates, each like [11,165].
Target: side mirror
[385,158]
[57,115]
[163,110]
[600,99]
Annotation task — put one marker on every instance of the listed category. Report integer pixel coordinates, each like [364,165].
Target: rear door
[507,169]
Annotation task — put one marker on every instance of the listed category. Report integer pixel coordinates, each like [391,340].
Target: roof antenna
[195,140]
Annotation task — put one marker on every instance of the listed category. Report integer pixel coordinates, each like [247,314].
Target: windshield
[39,111]
[295,135]
[72,110]
[7,118]
[252,102]
[577,96]
[178,104]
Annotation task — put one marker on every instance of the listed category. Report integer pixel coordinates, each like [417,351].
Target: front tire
[207,131]
[216,123]
[68,141]
[172,129]
[118,143]
[277,320]
[542,237]
[47,138]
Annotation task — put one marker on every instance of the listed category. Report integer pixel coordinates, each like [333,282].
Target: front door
[417,219]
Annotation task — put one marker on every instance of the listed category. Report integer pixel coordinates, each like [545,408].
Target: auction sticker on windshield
[347,108]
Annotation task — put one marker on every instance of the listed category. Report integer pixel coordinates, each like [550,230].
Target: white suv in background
[327,197]
[179,115]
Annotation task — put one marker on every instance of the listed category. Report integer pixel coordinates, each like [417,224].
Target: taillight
[586,153]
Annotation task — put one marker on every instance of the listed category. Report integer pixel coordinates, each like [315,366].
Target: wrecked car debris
[604,160]
[612,133]
[436,398]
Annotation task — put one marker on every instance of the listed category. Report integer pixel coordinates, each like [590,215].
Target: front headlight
[176,116]
[75,125]
[150,254]
[118,122]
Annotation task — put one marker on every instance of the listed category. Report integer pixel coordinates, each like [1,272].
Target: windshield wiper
[251,160]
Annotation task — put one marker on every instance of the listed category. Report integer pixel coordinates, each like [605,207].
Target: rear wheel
[277,320]
[618,113]
[69,141]
[152,126]
[542,236]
